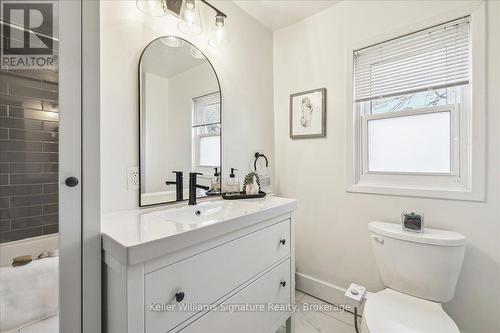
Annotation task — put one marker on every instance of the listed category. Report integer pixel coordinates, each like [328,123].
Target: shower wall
[29,126]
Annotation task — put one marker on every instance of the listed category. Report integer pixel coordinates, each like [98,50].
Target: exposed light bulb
[191,19]
[190,4]
[220,33]
[189,15]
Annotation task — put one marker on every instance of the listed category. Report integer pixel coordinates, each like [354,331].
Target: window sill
[456,193]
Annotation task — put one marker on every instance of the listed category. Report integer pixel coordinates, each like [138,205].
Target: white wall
[156,121]
[244,68]
[332,237]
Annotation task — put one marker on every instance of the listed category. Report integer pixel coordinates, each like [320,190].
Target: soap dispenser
[232,187]
[215,183]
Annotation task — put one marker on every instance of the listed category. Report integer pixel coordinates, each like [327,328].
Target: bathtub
[29,294]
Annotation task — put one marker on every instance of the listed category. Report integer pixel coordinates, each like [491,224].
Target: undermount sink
[209,212]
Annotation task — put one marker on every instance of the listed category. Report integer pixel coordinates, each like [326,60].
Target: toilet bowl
[420,271]
[391,311]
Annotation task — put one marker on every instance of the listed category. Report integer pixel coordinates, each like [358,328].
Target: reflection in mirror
[180,121]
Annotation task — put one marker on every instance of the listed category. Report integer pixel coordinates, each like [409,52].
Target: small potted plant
[251,184]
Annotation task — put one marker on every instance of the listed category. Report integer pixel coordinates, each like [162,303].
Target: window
[209,151]
[412,113]
[409,142]
[206,131]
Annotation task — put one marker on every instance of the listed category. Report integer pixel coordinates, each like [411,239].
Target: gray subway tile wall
[29,126]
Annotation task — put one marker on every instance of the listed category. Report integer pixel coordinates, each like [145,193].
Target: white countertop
[136,236]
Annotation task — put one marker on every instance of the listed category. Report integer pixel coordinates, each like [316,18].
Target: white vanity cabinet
[241,280]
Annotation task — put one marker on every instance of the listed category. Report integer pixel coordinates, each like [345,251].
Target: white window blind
[206,110]
[433,58]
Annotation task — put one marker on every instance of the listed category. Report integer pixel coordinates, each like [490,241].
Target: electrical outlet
[133,178]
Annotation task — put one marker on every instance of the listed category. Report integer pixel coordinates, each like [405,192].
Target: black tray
[243,195]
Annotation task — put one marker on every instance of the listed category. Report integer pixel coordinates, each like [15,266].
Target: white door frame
[91,198]
[79,207]
[91,167]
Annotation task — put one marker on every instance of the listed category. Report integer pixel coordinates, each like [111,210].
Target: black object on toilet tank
[412,222]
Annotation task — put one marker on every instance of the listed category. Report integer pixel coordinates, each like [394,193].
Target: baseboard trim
[320,289]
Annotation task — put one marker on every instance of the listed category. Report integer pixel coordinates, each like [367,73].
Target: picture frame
[308,114]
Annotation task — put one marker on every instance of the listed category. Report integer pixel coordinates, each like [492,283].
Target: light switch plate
[133,178]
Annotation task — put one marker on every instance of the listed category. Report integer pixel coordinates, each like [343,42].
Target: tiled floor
[320,321]
[49,325]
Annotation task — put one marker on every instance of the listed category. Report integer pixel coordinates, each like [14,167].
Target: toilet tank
[424,265]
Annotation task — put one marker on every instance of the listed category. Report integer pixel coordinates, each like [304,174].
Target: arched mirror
[180,105]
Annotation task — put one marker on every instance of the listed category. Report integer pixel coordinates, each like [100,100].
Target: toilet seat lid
[390,311]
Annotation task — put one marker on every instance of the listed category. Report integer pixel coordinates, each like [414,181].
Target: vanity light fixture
[188,11]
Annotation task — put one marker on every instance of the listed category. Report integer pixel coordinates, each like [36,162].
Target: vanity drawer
[268,289]
[208,276]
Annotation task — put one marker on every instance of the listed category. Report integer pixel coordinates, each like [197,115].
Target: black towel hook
[257,156]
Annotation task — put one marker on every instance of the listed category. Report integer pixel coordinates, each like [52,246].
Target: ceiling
[277,14]
[166,61]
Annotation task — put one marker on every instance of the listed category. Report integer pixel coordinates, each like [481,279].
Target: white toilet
[420,271]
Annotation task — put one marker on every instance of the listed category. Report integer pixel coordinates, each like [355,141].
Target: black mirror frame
[141,131]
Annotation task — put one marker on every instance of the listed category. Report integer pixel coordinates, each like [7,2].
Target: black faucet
[193,186]
[179,185]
